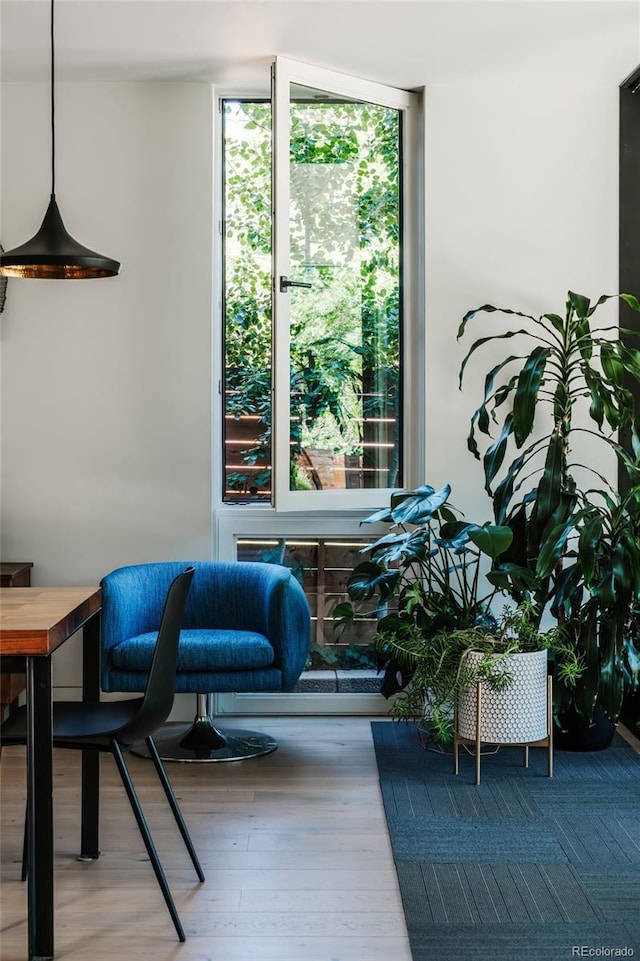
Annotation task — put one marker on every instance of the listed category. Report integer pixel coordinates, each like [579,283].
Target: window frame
[412,402]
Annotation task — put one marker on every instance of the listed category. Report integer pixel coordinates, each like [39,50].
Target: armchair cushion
[199,650]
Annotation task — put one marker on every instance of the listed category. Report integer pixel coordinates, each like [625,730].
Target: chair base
[201,741]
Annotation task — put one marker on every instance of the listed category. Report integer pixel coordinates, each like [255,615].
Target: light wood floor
[294,847]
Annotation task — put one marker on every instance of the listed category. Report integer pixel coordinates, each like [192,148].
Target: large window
[313,354]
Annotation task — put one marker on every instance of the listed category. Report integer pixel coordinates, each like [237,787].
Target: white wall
[106,384]
[522,205]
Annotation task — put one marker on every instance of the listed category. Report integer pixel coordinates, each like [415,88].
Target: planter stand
[478,741]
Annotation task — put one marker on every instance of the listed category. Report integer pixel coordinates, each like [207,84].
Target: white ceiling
[406,43]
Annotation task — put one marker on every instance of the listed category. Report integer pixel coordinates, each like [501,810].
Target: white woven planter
[513,716]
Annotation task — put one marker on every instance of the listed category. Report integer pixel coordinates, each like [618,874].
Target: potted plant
[509,656]
[578,542]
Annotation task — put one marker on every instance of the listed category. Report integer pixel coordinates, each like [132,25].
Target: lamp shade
[53,254]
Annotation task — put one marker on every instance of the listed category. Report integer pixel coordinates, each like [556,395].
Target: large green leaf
[554,535]
[611,680]
[526,395]
[568,591]
[491,539]
[400,545]
[481,415]
[512,578]
[552,549]
[630,358]
[381,516]
[489,309]
[486,340]
[551,483]
[631,301]
[454,534]
[605,590]
[367,578]
[624,565]
[580,304]
[612,364]
[421,506]
[557,322]
[398,497]
[504,491]
[596,407]
[495,454]
[589,538]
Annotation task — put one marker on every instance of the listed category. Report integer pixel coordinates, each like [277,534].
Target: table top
[37,620]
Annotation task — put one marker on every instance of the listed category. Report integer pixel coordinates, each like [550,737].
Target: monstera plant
[422,577]
[576,535]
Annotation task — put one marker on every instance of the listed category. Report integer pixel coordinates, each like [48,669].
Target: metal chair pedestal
[202,740]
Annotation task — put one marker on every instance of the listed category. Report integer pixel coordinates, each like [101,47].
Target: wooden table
[34,622]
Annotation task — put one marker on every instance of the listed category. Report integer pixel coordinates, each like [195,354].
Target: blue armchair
[246,628]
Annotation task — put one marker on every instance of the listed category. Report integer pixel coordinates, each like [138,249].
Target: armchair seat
[200,651]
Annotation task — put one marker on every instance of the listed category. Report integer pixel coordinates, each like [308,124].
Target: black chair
[114,726]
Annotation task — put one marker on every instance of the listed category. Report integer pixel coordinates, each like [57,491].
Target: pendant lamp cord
[53,126]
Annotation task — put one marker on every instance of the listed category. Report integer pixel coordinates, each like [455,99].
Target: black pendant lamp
[53,254]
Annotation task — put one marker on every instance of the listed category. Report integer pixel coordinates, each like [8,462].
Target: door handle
[285,283]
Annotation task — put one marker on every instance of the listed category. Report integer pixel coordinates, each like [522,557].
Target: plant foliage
[579,543]
[423,576]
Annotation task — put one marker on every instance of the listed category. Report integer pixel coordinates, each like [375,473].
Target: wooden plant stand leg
[456,742]
[550,725]
[478,731]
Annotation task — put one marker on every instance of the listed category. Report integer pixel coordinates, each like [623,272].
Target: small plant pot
[516,715]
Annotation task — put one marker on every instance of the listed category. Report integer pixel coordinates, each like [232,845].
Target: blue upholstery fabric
[199,651]
[246,627]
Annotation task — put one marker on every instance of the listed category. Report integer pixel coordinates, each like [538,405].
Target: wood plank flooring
[294,847]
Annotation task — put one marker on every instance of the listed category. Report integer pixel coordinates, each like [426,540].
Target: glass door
[338,289]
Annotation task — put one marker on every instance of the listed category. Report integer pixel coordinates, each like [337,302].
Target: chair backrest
[158,697]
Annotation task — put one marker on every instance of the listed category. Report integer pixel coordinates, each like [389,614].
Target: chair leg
[175,807]
[146,837]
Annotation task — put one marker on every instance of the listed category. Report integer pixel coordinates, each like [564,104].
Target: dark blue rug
[521,867]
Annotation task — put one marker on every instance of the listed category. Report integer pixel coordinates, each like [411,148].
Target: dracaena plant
[576,540]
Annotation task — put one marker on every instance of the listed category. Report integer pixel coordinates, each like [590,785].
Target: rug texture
[521,867]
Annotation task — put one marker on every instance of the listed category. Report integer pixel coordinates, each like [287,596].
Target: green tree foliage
[345,240]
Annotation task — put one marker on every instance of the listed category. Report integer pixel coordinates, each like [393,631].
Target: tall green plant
[568,544]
